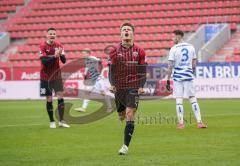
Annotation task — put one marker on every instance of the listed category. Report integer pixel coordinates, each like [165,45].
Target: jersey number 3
[184,55]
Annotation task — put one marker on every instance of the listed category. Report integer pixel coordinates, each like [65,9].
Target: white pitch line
[220,115]
[27,117]
[18,125]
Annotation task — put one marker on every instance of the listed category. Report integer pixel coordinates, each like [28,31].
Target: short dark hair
[127,24]
[178,32]
[51,29]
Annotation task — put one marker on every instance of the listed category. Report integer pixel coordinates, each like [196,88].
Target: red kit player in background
[51,53]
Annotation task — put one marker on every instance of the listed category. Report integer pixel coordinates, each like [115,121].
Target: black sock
[61,108]
[128,132]
[50,111]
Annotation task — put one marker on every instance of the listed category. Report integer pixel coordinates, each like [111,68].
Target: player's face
[176,38]
[51,35]
[127,33]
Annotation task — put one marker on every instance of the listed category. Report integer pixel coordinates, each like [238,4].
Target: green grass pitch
[26,139]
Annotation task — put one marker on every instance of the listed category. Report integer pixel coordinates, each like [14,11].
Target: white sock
[179,109]
[196,109]
[85,103]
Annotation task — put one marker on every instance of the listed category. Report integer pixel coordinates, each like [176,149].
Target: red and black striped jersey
[126,62]
[51,71]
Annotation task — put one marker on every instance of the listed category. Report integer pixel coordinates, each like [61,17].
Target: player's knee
[130,113]
[179,101]
[193,99]
[49,106]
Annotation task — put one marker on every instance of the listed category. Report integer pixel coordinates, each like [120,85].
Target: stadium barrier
[213,80]
[205,88]
[209,38]
[220,36]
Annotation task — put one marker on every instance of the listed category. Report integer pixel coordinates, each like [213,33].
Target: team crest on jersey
[40,53]
[135,54]
[120,55]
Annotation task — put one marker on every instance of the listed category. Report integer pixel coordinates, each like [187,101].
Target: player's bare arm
[142,72]
[169,73]
[194,64]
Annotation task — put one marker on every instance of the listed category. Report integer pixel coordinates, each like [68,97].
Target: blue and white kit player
[93,82]
[183,59]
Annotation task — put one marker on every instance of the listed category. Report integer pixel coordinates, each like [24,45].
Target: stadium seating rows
[96,46]
[75,30]
[166,5]
[232,58]
[11,3]
[163,18]
[7,6]
[102,39]
[3,15]
[237,51]
[186,9]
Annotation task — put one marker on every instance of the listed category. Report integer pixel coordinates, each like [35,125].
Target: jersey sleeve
[85,70]
[42,50]
[171,54]
[111,56]
[142,68]
[142,57]
[112,67]
[45,60]
[194,55]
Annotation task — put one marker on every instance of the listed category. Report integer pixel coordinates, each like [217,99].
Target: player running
[127,76]
[50,75]
[183,59]
[93,81]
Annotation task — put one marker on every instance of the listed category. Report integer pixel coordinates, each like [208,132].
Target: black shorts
[46,87]
[126,98]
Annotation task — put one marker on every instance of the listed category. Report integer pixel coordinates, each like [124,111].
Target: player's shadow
[100,113]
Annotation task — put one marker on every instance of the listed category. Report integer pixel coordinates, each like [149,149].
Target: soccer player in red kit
[127,76]
[51,52]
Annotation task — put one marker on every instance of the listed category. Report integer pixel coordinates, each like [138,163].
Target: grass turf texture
[26,138]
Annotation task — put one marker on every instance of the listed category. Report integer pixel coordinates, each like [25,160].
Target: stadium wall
[213,80]
[211,88]
[215,43]
[197,39]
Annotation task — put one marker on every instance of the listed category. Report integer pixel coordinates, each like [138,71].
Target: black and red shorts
[126,98]
[47,87]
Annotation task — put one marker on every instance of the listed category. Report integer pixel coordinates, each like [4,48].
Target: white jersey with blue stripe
[92,69]
[182,54]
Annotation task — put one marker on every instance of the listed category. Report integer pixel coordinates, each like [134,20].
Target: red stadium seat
[228,58]
[3,15]
[236,58]
[96,23]
[236,51]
